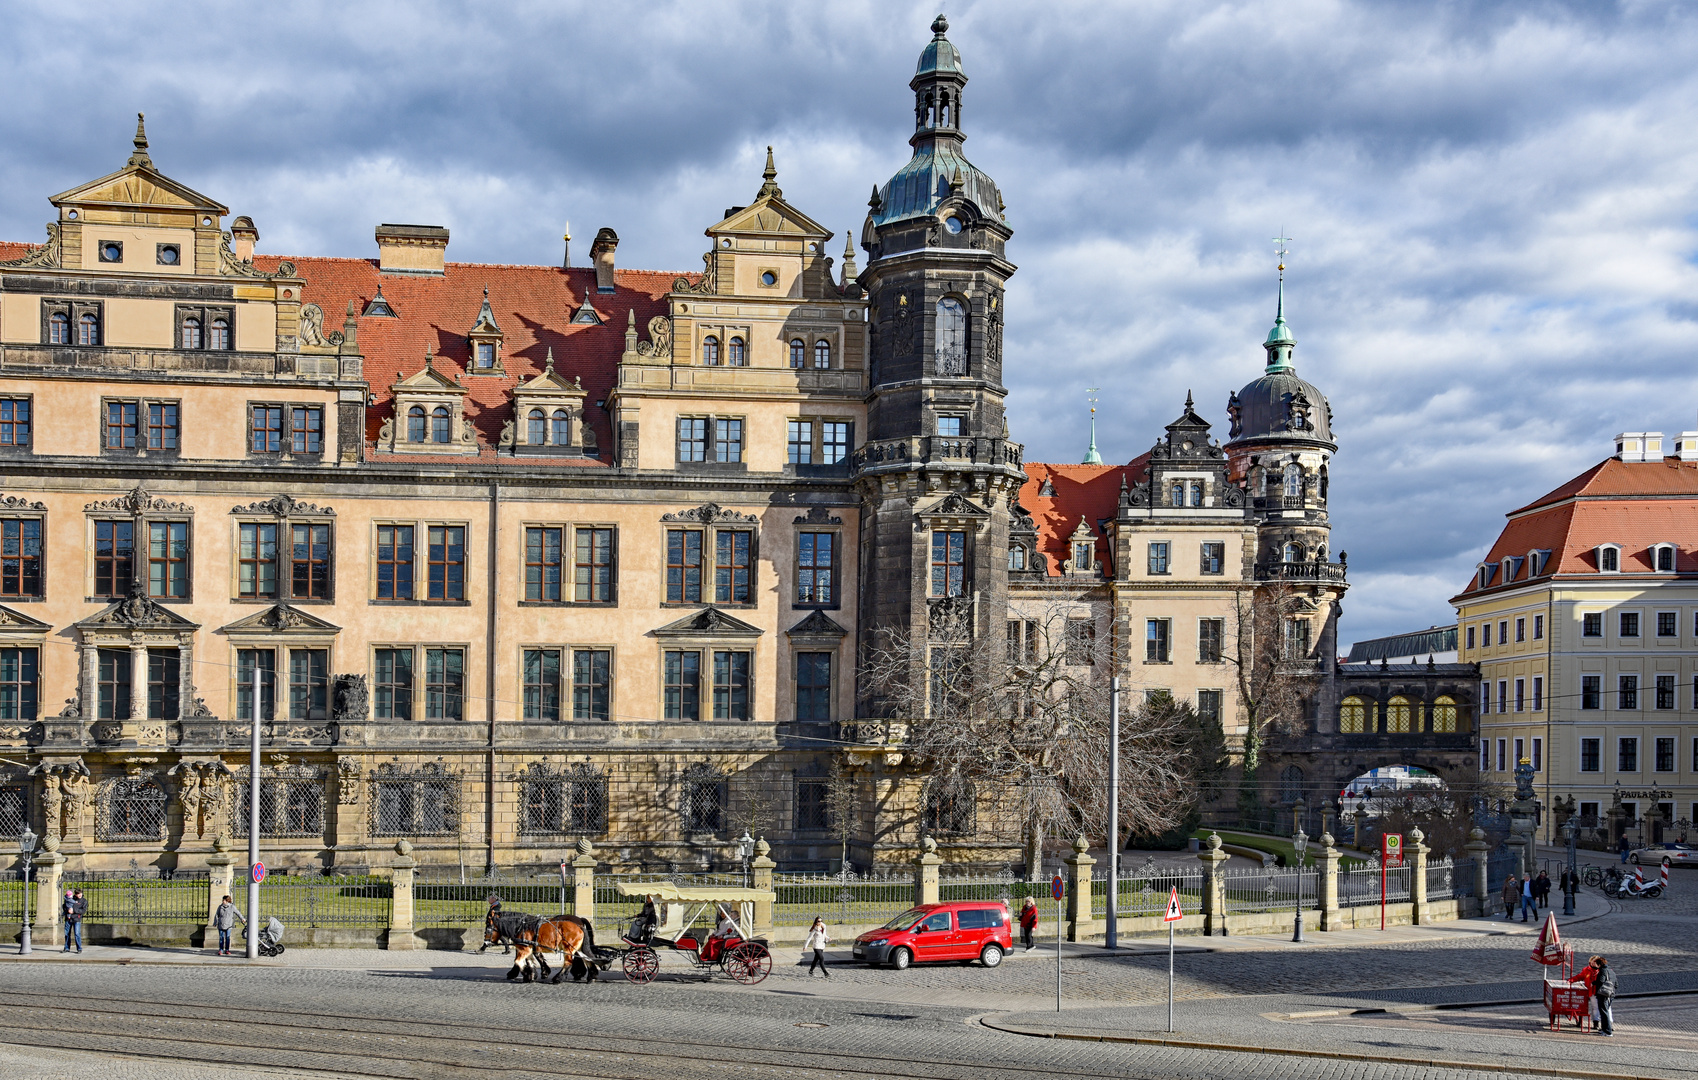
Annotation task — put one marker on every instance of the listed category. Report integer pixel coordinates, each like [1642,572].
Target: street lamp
[1299,844]
[746,849]
[26,848]
[1568,836]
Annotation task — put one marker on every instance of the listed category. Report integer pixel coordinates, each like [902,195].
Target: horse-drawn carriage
[688,928]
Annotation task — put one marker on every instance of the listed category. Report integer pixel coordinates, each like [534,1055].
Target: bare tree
[1268,650]
[841,804]
[1027,720]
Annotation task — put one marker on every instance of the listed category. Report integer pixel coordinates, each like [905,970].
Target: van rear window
[979,918]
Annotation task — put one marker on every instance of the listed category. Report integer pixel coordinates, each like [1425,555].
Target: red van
[960,930]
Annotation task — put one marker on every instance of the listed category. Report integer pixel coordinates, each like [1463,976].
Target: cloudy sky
[1492,206]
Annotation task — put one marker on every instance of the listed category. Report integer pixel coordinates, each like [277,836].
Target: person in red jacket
[1588,976]
[1028,922]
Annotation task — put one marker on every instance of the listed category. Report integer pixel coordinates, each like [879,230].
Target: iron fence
[846,899]
[307,901]
[136,899]
[1270,889]
[1499,865]
[1144,891]
[1444,880]
[466,903]
[12,898]
[1361,886]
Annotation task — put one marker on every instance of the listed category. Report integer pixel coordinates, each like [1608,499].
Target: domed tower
[937,471]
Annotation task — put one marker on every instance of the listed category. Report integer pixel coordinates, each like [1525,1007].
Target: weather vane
[1282,251]
[1091,392]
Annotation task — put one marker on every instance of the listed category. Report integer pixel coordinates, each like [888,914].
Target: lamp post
[1299,844]
[1568,835]
[26,848]
[746,849]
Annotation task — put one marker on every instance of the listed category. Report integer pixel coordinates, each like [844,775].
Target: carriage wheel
[641,966]
[749,963]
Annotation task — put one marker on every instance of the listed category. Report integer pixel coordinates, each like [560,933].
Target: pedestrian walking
[224,920]
[1511,891]
[1569,883]
[74,908]
[1542,889]
[1028,922]
[1624,847]
[1527,898]
[817,940]
[1603,989]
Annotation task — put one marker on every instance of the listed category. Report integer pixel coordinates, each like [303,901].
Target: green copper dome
[939,54]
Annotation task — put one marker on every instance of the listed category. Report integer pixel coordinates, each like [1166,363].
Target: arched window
[1294,552]
[1178,493]
[1016,557]
[59,329]
[1399,716]
[536,428]
[735,354]
[710,350]
[439,424]
[951,352]
[220,338]
[191,333]
[1444,713]
[1196,493]
[798,353]
[822,354]
[1293,481]
[1352,716]
[415,424]
[562,428]
[88,330]
[1291,784]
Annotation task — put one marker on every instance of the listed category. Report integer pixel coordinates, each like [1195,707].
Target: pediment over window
[710,514]
[281,618]
[429,414]
[817,624]
[709,622]
[953,509]
[136,611]
[17,622]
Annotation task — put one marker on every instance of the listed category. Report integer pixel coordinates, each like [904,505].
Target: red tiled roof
[10,250]
[1632,504]
[533,305]
[1091,492]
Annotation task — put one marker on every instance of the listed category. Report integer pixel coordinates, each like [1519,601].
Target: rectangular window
[14,422]
[447,562]
[1485,754]
[1485,635]
[1470,637]
[1630,624]
[309,684]
[1665,755]
[730,685]
[813,687]
[1627,754]
[394,562]
[393,684]
[1159,561]
[1667,624]
[1538,693]
[161,426]
[121,425]
[815,561]
[1520,629]
[683,689]
[949,427]
[834,442]
[1503,632]
[949,563]
[1209,633]
[114,684]
[1214,558]
[1591,756]
[1538,754]
[1503,752]
[542,684]
[1209,706]
[1665,691]
[256,558]
[1538,628]
[168,559]
[20,557]
[1503,695]
[19,670]
[592,684]
[811,803]
[1156,632]
[543,556]
[306,429]
[1297,639]
[114,557]
[1520,695]
[1592,624]
[692,438]
[445,684]
[265,429]
[731,583]
[1627,692]
[683,566]
[1520,750]
[593,567]
[1485,698]
[1081,642]
[250,662]
[309,562]
[801,442]
[727,439]
[1591,691]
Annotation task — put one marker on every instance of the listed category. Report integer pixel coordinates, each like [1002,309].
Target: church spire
[1280,340]
[1091,455]
[140,156]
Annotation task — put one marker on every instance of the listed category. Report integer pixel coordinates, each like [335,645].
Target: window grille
[287,807]
[570,803]
[812,805]
[704,801]
[13,812]
[949,807]
[423,803]
[135,810]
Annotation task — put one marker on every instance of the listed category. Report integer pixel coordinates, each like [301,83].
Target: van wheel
[992,956]
[900,959]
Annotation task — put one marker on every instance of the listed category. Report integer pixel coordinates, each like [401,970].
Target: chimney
[1639,446]
[1686,446]
[244,234]
[601,257]
[412,249]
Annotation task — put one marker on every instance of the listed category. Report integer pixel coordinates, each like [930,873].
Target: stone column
[1479,850]
[218,876]
[1518,849]
[1080,923]
[1328,809]
[401,936]
[138,689]
[925,872]
[762,867]
[89,679]
[1328,858]
[49,867]
[583,881]
[1214,887]
[1418,915]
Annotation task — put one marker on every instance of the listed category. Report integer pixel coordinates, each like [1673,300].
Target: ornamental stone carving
[139,500]
[711,513]
[284,506]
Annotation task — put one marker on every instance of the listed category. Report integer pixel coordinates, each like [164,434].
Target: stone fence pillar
[583,881]
[1480,851]
[218,876]
[1214,887]
[925,872]
[761,868]
[1080,921]
[1518,846]
[1328,859]
[49,869]
[1418,915]
[401,936]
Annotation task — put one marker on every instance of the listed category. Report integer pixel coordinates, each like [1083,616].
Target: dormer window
[1179,493]
[1511,568]
[1016,557]
[439,418]
[431,406]
[536,429]
[1487,571]
[1195,489]
[1609,559]
[415,424]
[1663,558]
[486,354]
[484,340]
[548,410]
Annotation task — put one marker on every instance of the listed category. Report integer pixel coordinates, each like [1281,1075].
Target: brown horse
[533,937]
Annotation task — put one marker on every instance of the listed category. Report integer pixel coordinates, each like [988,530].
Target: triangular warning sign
[1173,912]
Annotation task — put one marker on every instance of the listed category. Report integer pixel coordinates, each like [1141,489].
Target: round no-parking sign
[1056,888]
[258,872]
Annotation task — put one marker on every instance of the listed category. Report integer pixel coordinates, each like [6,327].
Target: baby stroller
[270,939]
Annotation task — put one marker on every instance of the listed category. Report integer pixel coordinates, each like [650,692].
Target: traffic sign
[258,872]
[1393,848]
[1174,914]
[1057,889]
